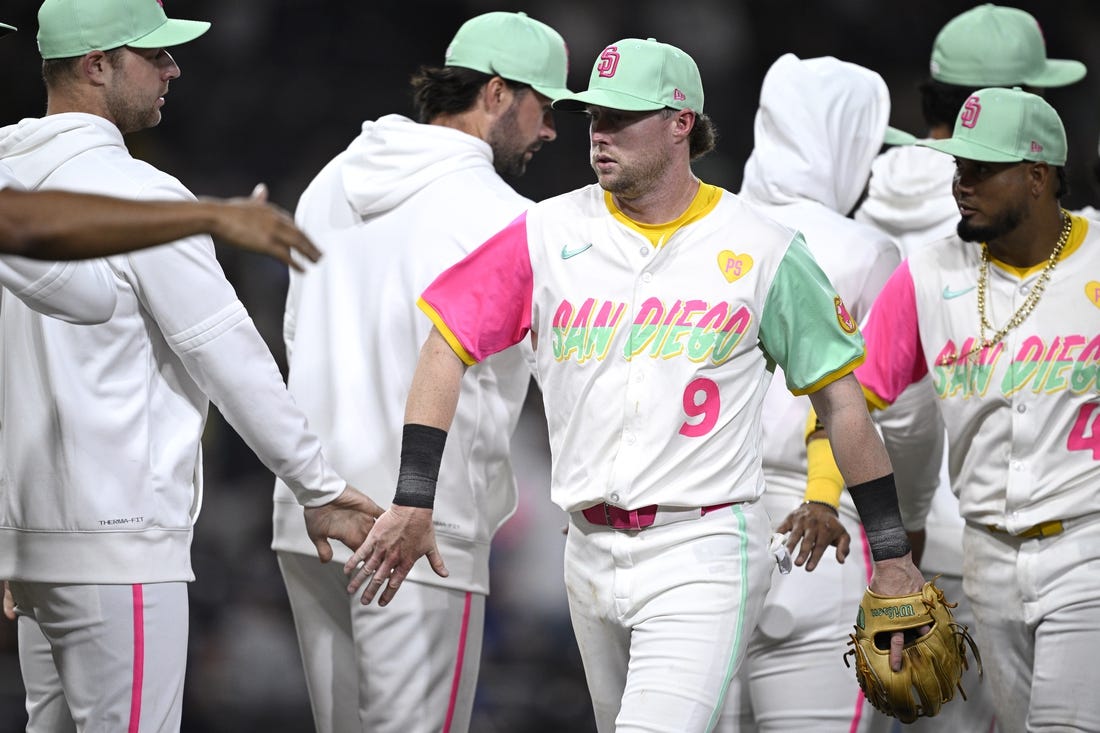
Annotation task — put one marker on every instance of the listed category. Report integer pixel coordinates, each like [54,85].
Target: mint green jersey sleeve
[805,327]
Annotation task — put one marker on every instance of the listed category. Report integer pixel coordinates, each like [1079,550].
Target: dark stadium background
[273,91]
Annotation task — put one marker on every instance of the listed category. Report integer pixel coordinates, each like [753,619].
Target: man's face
[135,92]
[992,198]
[629,150]
[520,132]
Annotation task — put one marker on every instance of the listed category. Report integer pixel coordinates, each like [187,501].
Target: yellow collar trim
[706,198]
[1078,229]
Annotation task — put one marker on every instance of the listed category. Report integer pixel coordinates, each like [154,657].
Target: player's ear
[1039,176]
[496,95]
[95,67]
[682,123]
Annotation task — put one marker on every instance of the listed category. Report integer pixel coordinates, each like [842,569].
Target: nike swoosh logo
[566,253]
[949,294]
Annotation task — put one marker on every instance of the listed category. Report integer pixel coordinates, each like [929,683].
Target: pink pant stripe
[868,567]
[139,660]
[458,665]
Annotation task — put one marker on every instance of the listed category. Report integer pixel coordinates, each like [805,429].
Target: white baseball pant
[102,658]
[410,667]
[662,615]
[794,678]
[1037,609]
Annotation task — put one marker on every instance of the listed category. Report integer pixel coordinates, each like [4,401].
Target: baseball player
[1001,317]
[401,204]
[910,199]
[103,476]
[820,124]
[658,303]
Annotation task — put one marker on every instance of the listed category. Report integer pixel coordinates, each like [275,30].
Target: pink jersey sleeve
[482,304]
[895,357]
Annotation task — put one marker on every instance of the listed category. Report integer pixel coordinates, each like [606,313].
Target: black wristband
[877,504]
[421,454]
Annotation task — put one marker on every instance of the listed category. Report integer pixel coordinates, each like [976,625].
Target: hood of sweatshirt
[820,124]
[35,147]
[394,157]
[911,192]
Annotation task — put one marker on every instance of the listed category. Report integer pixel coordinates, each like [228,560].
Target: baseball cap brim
[604,98]
[969,150]
[894,136]
[552,93]
[5,29]
[1058,73]
[172,33]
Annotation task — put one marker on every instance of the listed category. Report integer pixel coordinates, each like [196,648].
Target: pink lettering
[583,314]
[563,314]
[609,62]
[650,312]
[672,313]
[691,307]
[970,111]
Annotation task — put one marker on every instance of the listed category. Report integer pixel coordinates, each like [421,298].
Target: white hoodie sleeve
[184,289]
[77,292]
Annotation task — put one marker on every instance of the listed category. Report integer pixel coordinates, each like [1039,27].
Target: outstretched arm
[58,225]
[865,465]
[404,533]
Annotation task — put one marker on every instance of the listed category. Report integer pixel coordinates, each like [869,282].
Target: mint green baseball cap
[991,45]
[5,29]
[68,28]
[638,76]
[513,47]
[999,125]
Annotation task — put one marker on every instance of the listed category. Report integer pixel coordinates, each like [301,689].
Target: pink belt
[612,516]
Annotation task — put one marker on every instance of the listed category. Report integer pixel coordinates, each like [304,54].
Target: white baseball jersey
[653,360]
[1022,417]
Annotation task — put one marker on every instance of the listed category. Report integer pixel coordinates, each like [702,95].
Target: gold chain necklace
[1029,303]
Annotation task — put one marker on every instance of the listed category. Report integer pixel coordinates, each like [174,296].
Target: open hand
[255,225]
[815,526]
[399,538]
[348,518]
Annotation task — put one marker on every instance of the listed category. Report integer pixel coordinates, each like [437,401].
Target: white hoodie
[77,292]
[910,197]
[401,204]
[100,425]
[820,124]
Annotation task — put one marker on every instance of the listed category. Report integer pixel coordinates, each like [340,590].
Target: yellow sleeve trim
[833,376]
[452,340]
[823,480]
[874,402]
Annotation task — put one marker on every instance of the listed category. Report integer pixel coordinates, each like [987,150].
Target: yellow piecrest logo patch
[733,266]
[1092,292]
[843,317]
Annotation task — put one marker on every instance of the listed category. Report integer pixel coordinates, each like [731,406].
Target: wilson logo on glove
[932,662]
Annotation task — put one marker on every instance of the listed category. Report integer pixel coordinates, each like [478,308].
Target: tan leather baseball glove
[932,662]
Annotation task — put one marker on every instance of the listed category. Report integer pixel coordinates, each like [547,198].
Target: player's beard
[634,178]
[997,227]
[509,151]
[129,111]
